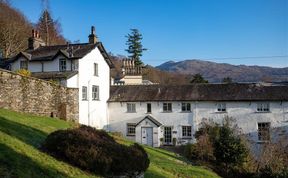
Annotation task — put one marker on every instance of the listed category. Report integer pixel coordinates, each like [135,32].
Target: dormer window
[24,65]
[62,65]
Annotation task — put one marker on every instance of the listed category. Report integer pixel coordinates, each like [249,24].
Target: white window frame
[167,107]
[264,131]
[131,107]
[24,65]
[186,131]
[84,93]
[74,65]
[62,64]
[131,129]
[221,107]
[95,92]
[186,107]
[263,107]
[95,69]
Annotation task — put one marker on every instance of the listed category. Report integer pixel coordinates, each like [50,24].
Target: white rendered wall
[118,117]
[73,82]
[94,113]
[244,113]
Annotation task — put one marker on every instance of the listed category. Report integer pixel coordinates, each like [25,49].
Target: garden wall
[40,97]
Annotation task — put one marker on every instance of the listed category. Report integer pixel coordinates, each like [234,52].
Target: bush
[24,72]
[96,151]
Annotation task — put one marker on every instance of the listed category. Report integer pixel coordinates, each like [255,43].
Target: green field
[22,134]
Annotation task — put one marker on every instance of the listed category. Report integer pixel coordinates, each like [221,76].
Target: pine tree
[49,29]
[135,48]
[197,78]
[227,80]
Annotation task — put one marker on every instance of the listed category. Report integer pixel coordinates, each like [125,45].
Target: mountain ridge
[215,72]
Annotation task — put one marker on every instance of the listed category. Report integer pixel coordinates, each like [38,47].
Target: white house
[85,66]
[152,114]
[161,114]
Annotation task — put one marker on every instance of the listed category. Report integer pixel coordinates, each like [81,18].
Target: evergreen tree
[228,149]
[49,29]
[227,80]
[135,48]
[197,78]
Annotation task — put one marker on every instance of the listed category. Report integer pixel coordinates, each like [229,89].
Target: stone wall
[32,95]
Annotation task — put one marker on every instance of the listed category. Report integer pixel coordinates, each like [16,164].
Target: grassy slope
[22,134]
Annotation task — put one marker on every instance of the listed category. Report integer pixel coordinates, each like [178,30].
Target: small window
[131,107]
[84,93]
[95,69]
[131,129]
[24,65]
[264,131]
[186,131]
[74,65]
[149,109]
[263,107]
[95,92]
[221,107]
[186,107]
[62,64]
[167,107]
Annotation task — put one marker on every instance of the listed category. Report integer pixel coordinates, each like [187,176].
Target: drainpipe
[88,97]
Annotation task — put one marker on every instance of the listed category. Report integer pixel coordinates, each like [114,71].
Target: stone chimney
[35,41]
[92,37]
[129,67]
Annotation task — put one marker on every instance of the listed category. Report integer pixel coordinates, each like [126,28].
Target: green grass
[166,164]
[22,134]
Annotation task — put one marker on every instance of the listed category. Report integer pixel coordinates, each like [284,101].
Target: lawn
[22,134]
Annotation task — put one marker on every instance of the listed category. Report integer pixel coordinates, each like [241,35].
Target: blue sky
[251,32]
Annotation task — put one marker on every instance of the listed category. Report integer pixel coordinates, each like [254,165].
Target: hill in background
[215,72]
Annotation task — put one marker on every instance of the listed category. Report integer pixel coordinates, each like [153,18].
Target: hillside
[215,72]
[22,134]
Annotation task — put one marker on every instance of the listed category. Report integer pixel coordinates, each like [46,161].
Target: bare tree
[14,30]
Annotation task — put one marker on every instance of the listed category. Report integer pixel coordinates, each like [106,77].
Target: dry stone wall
[40,97]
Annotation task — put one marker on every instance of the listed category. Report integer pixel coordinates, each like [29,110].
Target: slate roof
[54,75]
[71,51]
[198,92]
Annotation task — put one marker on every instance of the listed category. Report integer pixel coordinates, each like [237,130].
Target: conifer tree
[135,48]
[198,78]
[49,29]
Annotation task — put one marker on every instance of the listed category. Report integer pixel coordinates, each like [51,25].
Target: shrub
[24,72]
[96,151]
[229,150]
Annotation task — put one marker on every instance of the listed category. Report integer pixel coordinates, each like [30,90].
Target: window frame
[62,67]
[167,107]
[185,107]
[95,94]
[186,129]
[25,66]
[96,71]
[264,129]
[131,107]
[263,107]
[221,107]
[84,93]
[130,129]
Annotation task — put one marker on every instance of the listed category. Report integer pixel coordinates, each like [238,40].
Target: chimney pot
[93,30]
